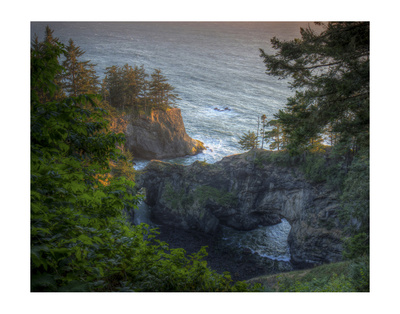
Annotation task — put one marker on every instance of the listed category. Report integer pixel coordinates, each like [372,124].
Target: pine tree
[330,73]
[80,76]
[143,89]
[44,50]
[113,86]
[161,93]
[275,136]
[248,141]
[134,88]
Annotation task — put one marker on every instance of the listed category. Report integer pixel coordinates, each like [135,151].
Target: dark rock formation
[223,109]
[160,135]
[241,193]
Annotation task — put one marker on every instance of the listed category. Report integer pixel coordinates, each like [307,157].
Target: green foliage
[330,73]
[161,93]
[123,166]
[176,199]
[348,276]
[50,83]
[80,239]
[71,208]
[282,158]
[276,137]
[334,284]
[79,77]
[205,192]
[359,274]
[355,246]
[127,88]
[181,199]
[317,167]
[248,141]
[355,207]
[355,197]
[314,167]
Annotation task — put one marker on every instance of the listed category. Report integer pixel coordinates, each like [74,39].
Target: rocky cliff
[241,192]
[160,135]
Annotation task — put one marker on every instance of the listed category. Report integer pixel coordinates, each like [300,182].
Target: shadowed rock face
[160,135]
[239,193]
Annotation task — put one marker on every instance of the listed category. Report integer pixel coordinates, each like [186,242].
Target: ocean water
[210,64]
[270,241]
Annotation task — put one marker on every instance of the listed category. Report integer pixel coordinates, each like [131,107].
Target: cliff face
[159,136]
[243,194]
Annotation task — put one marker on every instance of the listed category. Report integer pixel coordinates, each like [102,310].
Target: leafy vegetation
[205,192]
[80,239]
[347,276]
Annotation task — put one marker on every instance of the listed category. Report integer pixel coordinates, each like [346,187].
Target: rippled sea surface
[211,65]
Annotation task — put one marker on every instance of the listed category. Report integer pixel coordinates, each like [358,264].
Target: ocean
[210,64]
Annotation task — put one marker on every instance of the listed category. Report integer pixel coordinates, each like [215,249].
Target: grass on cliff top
[319,275]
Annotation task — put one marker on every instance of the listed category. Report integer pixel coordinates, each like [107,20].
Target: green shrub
[334,284]
[355,197]
[359,274]
[356,246]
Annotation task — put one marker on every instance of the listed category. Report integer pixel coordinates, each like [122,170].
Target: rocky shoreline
[243,192]
[242,264]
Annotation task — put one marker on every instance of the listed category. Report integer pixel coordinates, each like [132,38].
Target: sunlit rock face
[239,193]
[160,135]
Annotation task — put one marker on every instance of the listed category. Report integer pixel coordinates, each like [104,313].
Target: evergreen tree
[126,88]
[275,136]
[330,73]
[45,50]
[49,37]
[130,89]
[135,88]
[331,135]
[248,141]
[143,88]
[161,93]
[114,86]
[80,76]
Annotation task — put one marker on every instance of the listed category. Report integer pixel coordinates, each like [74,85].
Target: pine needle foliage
[329,71]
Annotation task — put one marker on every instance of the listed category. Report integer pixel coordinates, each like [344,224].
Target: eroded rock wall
[243,194]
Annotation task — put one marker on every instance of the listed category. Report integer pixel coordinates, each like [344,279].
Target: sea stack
[160,135]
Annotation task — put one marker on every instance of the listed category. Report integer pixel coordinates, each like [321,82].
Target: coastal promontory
[160,135]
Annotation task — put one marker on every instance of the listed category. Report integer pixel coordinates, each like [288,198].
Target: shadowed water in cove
[244,255]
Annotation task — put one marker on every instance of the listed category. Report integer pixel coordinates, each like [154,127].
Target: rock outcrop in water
[242,193]
[160,135]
